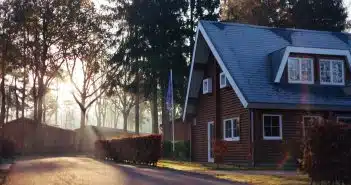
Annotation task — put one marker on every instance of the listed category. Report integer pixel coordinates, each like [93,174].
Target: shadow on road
[163,176]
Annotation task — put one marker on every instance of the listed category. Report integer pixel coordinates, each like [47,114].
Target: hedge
[140,150]
[327,153]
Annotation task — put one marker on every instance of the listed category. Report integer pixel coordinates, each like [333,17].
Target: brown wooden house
[257,88]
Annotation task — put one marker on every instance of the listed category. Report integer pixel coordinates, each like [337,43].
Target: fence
[32,138]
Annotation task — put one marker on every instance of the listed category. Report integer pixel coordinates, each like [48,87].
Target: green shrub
[182,150]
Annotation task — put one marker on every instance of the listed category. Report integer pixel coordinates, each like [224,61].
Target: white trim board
[200,29]
[320,51]
[191,73]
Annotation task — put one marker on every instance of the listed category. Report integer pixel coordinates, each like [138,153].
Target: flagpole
[173,147]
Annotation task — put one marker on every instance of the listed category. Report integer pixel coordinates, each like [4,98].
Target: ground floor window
[231,129]
[272,127]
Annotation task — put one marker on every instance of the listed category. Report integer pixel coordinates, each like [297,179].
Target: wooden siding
[230,107]
[277,152]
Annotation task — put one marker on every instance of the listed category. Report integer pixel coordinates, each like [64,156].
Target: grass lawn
[236,174]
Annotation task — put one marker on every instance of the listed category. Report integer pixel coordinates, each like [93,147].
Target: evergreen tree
[329,15]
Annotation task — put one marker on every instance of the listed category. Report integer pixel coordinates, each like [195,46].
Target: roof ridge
[268,27]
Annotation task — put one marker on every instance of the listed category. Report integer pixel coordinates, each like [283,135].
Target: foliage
[182,150]
[329,15]
[327,154]
[142,149]
[220,148]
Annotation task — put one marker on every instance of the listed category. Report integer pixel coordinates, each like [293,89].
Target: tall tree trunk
[41,94]
[154,110]
[23,96]
[83,111]
[16,99]
[98,113]
[35,98]
[115,116]
[8,105]
[82,118]
[137,102]
[3,97]
[125,122]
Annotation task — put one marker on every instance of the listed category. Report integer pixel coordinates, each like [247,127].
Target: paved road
[87,171]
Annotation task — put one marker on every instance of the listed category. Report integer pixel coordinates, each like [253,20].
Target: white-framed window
[300,70]
[344,120]
[222,80]
[272,127]
[207,86]
[331,72]
[231,129]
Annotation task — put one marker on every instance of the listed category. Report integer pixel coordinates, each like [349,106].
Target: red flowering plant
[220,148]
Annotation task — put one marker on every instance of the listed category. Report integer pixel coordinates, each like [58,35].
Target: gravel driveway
[87,171]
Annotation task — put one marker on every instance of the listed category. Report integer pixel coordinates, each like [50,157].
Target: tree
[6,35]
[328,15]
[157,34]
[122,82]
[83,58]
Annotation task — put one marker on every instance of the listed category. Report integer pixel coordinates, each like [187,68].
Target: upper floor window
[222,80]
[331,72]
[207,86]
[300,70]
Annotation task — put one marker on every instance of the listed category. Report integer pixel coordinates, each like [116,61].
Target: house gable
[245,53]
[203,45]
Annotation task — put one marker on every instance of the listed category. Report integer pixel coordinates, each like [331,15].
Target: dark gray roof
[248,51]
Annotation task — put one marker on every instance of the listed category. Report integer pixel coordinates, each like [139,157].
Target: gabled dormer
[299,65]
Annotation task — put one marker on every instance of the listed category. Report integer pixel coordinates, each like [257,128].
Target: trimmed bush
[139,150]
[327,153]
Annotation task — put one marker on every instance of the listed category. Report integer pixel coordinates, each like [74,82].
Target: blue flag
[169,96]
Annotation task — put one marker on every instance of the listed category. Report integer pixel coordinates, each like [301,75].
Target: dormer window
[331,72]
[300,70]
